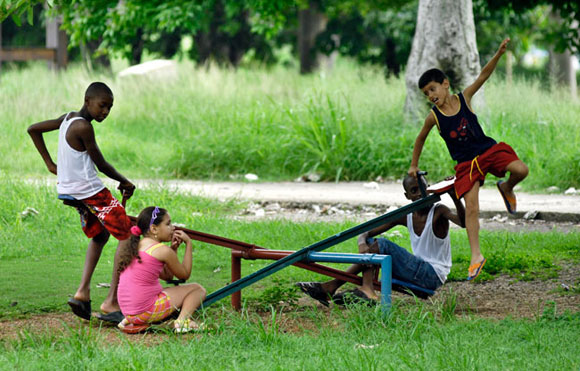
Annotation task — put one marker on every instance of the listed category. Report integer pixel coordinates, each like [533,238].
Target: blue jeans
[406,266]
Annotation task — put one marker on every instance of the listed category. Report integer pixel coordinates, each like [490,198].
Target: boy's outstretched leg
[472,226]
[80,303]
[518,171]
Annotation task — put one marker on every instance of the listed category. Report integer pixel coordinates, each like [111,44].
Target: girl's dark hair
[131,250]
[433,74]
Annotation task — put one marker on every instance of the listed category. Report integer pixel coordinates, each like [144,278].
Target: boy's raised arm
[486,71]
[419,143]
[36,130]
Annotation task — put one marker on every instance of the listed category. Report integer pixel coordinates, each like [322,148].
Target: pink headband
[136,231]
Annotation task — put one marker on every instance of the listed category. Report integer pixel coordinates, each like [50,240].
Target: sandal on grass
[80,308]
[113,317]
[475,269]
[181,326]
[315,291]
[130,328]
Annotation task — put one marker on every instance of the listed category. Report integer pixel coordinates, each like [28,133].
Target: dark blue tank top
[462,133]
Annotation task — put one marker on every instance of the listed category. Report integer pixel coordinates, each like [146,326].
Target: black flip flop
[315,291]
[80,308]
[113,317]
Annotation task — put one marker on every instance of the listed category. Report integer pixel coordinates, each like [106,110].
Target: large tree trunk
[311,22]
[444,39]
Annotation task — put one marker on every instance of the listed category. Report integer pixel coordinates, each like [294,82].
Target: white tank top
[76,173]
[434,250]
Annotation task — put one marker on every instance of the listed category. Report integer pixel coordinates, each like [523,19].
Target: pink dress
[139,283]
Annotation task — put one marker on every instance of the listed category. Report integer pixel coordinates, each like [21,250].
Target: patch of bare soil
[510,297]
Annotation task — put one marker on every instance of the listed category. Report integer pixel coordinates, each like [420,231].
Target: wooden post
[56,39]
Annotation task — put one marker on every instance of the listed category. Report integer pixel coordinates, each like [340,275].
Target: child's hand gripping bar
[420,178]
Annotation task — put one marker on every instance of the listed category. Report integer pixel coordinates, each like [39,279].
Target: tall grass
[347,124]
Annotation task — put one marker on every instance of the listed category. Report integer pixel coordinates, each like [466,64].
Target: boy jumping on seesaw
[78,154]
[428,265]
[476,154]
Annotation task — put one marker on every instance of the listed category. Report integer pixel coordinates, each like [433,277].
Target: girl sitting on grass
[146,260]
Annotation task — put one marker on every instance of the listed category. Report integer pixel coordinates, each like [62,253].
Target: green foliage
[324,134]
[380,36]
[283,293]
[563,35]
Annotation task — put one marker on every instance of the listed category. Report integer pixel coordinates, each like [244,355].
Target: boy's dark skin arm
[35,131]
[444,215]
[81,136]
[363,247]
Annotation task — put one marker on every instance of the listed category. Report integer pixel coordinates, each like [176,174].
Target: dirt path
[386,194]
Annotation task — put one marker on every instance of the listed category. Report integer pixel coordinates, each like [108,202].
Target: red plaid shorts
[105,212]
[493,161]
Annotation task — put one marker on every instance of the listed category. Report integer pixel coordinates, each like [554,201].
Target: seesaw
[306,257]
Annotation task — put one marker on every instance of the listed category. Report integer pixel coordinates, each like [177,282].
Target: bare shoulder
[430,122]
[441,211]
[82,127]
[163,253]
[430,119]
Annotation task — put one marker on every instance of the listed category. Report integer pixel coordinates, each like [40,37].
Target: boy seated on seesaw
[428,265]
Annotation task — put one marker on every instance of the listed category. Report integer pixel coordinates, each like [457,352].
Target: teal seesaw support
[317,247]
[385,261]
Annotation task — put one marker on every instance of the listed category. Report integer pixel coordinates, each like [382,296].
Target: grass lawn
[41,263]
[221,124]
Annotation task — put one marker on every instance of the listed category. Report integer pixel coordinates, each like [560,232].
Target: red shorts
[493,161]
[106,212]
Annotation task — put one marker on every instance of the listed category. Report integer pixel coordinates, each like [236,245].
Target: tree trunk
[509,67]
[444,39]
[560,67]
[311,22]
[137,46]
[561,70]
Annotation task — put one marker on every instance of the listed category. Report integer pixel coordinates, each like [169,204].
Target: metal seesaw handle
[420,178]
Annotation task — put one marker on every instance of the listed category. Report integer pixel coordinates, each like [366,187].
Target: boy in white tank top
[102,214]
[430,262]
